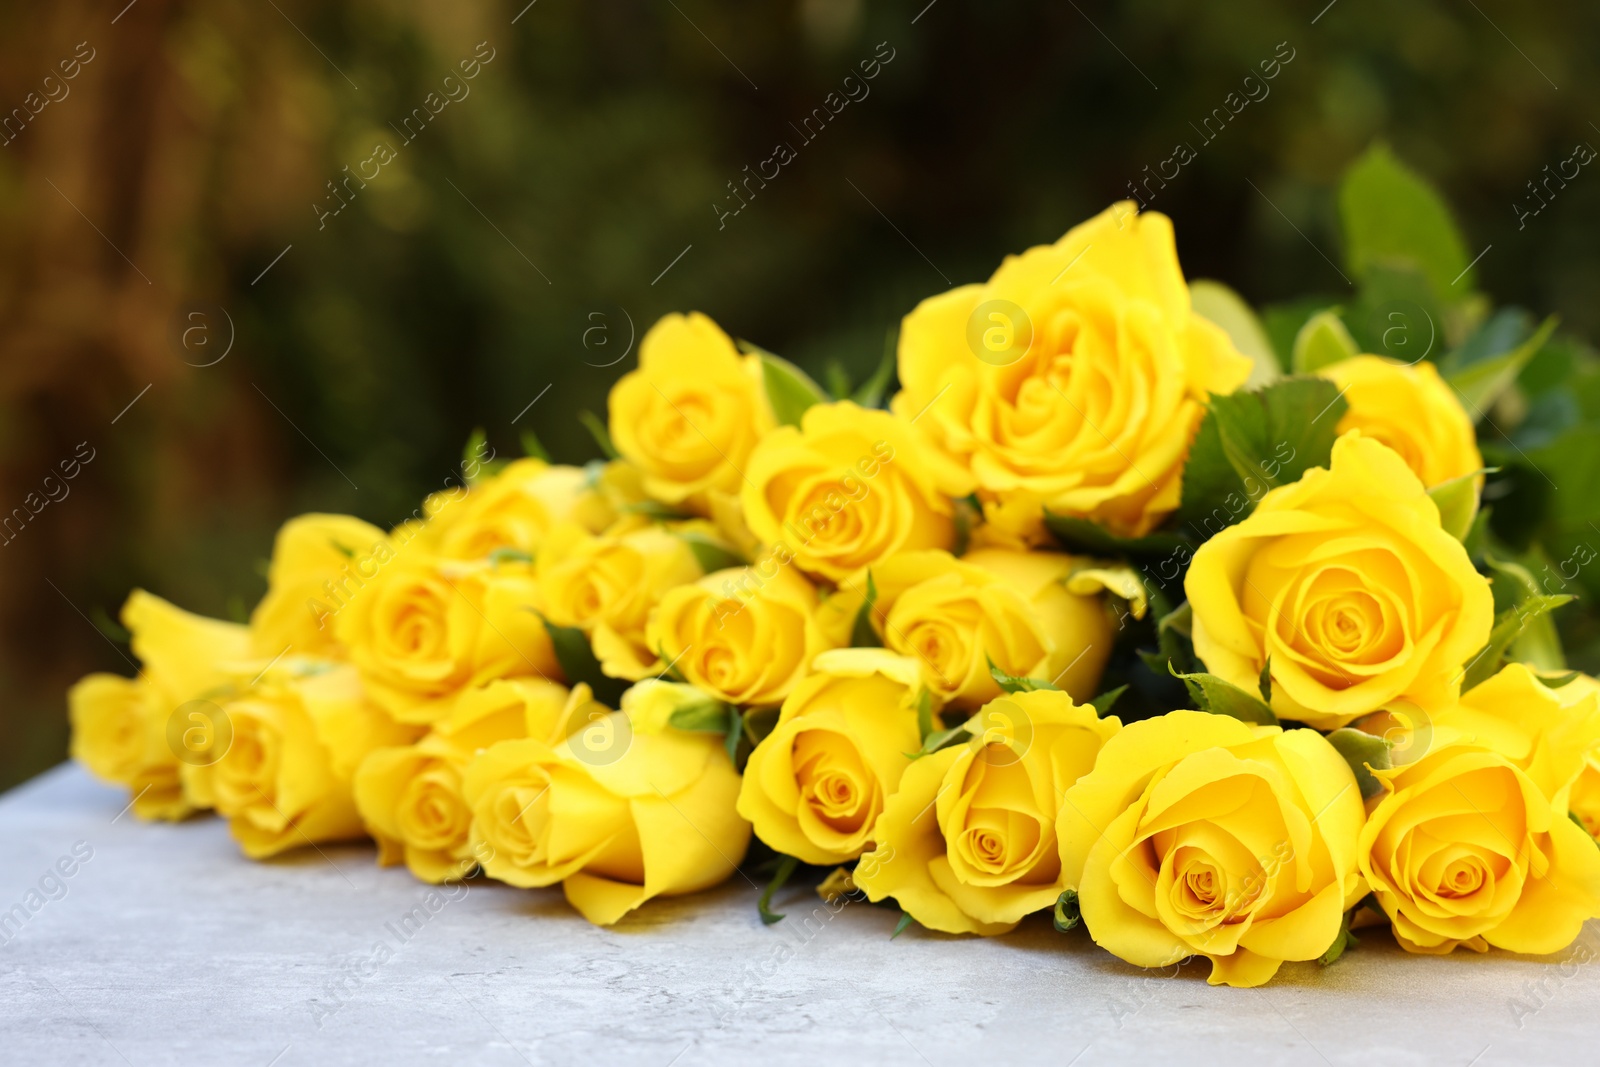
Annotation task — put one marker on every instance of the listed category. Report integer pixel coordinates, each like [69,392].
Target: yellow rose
[606,585]
[290,746]
[513,509]
[967,844]
[134,732]
[815,786]
[119,732]
[1346,581]
[1014,608]
[318,563]
[691,413]
[746,635]
[423,629]
[846,489]
[650,815]
[1074,378]
[184,655]
[1585,800]
[1197,834]
[1410,408]
[1471,843]
[410,796]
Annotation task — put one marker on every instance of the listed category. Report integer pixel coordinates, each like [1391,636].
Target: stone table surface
[166,946]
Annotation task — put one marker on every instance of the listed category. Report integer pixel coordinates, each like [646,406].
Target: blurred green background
[572,196]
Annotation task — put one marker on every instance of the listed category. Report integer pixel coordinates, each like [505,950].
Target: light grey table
[167,946]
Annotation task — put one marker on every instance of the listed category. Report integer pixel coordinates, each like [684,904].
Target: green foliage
[875,388]
[597,430]
[1103,703]
[862,633]
[1480,382]
[1066,914]
[1249,443]
[532,446]
[1393,216]
[790,390]
[1322,341]
[785,869]
[1011,683]
[1221,697]
[1364,753]
[711,554]
[1343,942]
[1083,536]
[579,664]
[1457,500]
[1508,626]
[1538,644]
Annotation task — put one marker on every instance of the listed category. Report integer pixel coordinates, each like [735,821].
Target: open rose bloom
[1199,835]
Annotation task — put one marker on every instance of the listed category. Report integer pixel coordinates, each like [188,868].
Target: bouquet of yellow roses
[1130,606]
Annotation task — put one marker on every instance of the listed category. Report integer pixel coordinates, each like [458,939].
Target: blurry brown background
[188,151]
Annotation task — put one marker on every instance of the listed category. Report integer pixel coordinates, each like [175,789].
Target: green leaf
[1264,683]
[579,664]
[940,739]
[1457,500]
[1342,942]
[656,510]
[1067,916]
[1010,683]
[1539,644]
[836,378]
[1508,626]
[925,719]
[509,555]
[1104,702]
[474,463]
[900,927]
[709,717]
[758,723]
[790,390]
[1361,750]
[1556,681]
[1480,383]
[1250,443]
[1397,314]
[871,392]
[785,869]
[711,554]
[735,732]
[1221,697]
[1392,215]
[1283,321]
[1081,535]
[862,634]
[101,619]
[1274,434]
[1174,651]
[532,446]
[598,431]
[1220,305]
[1322,341]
